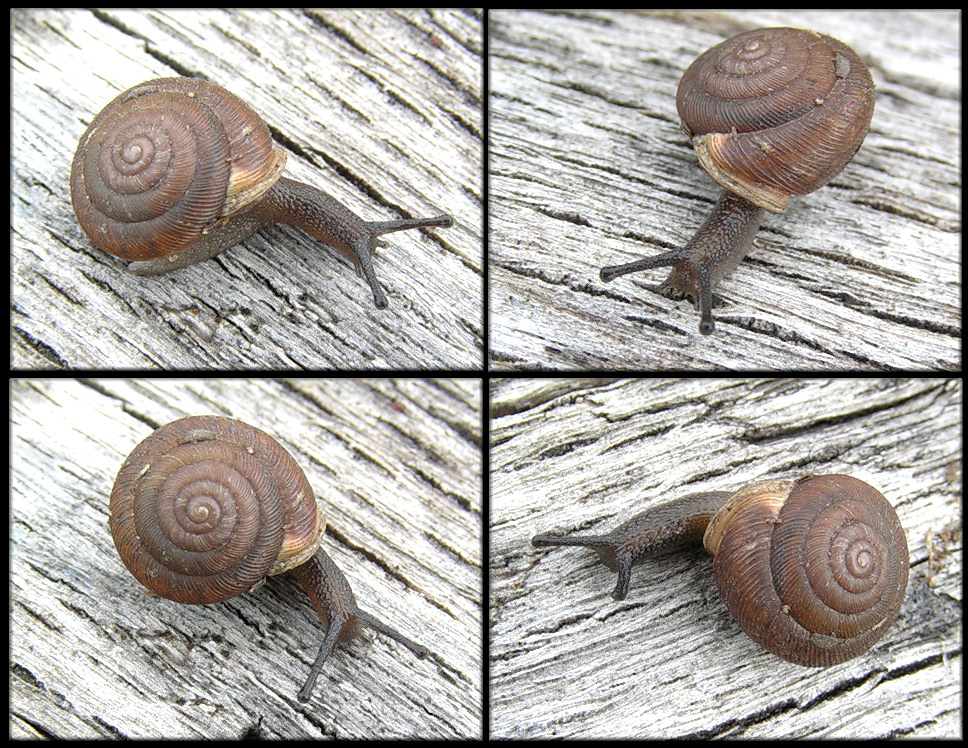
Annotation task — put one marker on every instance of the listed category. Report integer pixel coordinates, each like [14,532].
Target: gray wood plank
[396,467]
[382,109]
[588,167]
[568,661]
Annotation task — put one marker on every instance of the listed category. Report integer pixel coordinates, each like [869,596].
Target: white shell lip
[763,195]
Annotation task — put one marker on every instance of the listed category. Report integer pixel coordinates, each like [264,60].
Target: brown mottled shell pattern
[206,507]
[164,161]
[821,579]
[776,112]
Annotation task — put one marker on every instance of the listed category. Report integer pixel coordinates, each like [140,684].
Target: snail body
[814,570]
[206,508]
[771,113]
[176,170]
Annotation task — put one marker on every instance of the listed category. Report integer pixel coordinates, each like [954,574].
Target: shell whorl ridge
[820,580]
[206,507]
[776,112]
[164,161]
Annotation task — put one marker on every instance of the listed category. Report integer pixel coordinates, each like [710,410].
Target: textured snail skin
[207,507]
[716,249]
[646,535]
[771,113]
[176,170]
[336,605]
[307,208]
[814,570]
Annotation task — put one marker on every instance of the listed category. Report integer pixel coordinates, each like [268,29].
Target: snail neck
[322,216]
[714,251]
[301,205]
[335,604]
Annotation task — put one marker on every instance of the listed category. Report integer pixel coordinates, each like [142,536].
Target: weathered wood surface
[396,465]
[669,661]
[380,109]
[588,167]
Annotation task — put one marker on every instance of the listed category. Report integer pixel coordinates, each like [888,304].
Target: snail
[176,170]
[772,113]
[814,570]
[206,507]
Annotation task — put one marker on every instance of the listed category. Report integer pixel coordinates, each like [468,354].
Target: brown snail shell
[206,507]
[164,162]
[776,112]
[814,570]
[176,170]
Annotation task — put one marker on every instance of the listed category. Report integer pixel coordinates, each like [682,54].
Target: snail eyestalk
[611,552]
[325,649]
[332,637]
[611,272]
[375,623]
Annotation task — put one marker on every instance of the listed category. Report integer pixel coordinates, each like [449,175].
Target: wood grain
[588,167]
[567,661]
[396,465]
[381,109]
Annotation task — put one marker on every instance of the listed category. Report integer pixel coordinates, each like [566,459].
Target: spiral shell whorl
[206,507]
[822,580]
[776,112]
[753,81]
[149,174]
[164,161]
[835,547]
